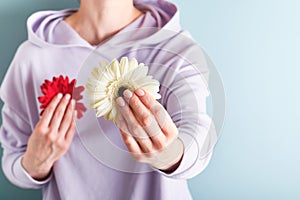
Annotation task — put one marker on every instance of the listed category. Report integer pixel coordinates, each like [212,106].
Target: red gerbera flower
[61,85]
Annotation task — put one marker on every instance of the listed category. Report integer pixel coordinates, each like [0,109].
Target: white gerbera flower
[110,80]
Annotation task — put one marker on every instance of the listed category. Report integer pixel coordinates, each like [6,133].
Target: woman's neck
[97,20]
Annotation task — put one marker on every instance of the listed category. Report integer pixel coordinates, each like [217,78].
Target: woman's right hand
[51,137]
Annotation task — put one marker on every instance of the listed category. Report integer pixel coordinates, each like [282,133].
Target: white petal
[104,71]
[139,72]
[103,109]
[94,83]
[100,103]
[111,115]
[108,76]
[151,88]
[102,112]
[104,64]
[152,82]
[115,68]
[132,64]
[153,91]
[124,66]
[90,90]
[98,93]
[95,73]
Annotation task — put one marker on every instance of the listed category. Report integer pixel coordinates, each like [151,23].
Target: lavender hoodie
[94,168]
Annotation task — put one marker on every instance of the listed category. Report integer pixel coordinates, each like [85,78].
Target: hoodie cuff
[24,177]
[189,157]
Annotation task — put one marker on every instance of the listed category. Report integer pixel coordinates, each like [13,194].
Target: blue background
[255,45]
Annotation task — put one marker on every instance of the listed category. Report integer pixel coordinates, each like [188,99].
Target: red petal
[61,85]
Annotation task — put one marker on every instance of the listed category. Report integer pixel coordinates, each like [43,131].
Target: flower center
[117,87]
[121,90]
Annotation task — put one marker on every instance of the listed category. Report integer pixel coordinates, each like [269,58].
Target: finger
[134,127]
[132,146]
[48,112]
[161,115]
[159,141]
[140,111]
[146,119]
[146,98]
[131,143]
[67,119]
[165,122]
[121,123]
[60,112]
[132,124]
[72,129]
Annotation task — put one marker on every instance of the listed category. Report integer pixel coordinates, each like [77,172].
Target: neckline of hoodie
[172,26]
[131,26]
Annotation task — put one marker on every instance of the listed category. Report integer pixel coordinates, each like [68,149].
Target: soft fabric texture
[53,48]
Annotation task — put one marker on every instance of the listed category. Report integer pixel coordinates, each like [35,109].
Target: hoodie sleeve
[16,126]
[14,137]
[185,101]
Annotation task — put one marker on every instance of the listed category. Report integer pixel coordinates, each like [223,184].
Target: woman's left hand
[148,130]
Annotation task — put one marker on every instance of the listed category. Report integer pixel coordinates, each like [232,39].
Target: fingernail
[68,96]
[59,95]
[140,92]
[120,101]
[127,93]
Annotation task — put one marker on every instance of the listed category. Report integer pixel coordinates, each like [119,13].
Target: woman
[46,152]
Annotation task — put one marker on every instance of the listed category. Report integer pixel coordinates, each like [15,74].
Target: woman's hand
[51,137]
[148,131]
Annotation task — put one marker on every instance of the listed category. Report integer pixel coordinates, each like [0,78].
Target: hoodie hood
[159,22]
